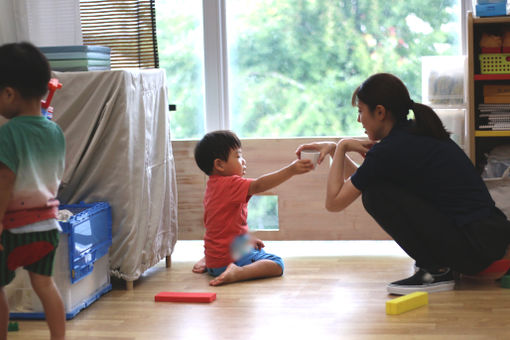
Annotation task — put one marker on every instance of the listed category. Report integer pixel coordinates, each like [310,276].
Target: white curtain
[42,22]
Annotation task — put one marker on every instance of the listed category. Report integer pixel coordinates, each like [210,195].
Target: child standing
[231,254]
[32,157]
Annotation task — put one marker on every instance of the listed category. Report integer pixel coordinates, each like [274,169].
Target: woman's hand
[325,148]
[355,145]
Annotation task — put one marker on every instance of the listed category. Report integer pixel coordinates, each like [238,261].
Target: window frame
[216,106]
[217,113]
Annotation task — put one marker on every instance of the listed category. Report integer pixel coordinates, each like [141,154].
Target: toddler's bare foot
[200,266]
[229,275]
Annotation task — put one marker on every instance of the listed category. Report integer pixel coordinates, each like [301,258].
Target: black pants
[431,238]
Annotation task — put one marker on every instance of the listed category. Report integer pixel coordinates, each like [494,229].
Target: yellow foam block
[406,303]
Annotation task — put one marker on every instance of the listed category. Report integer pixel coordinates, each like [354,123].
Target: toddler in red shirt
[231,253]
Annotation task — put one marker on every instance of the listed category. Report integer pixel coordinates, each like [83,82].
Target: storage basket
[82,264]
[494,63]
[90,236]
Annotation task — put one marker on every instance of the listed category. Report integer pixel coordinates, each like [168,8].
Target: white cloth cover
[116,125]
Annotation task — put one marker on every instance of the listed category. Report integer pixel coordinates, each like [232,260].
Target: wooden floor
[341,296]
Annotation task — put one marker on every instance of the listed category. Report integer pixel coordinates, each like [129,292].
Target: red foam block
[184,297]
[496,267]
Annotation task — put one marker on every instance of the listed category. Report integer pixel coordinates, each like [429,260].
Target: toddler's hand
[301,166]
[257,244]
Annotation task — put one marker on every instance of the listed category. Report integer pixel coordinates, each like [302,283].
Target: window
[294,64]
[263,213]
[126,26]
[181,53]
[284,68]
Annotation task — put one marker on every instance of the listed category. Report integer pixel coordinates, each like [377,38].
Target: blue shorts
[253,256]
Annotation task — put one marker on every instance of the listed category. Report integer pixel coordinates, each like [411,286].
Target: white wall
[42,22]
[7,23]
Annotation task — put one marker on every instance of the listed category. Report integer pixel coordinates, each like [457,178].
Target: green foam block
[13,326]
[505,281]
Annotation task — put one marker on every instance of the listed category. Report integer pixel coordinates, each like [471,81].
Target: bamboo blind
[128,27]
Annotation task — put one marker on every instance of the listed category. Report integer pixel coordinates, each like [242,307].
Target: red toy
[184,297]
[46,109]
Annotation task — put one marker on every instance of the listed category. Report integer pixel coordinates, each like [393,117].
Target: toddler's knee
[278,260]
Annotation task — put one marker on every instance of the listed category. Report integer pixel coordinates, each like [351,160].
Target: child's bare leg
[52,303]
[4,315]
[255,270]
[200,266]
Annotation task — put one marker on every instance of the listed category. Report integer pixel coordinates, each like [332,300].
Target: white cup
[313,155]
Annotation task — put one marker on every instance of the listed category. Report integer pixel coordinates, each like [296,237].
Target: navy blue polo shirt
[435,170]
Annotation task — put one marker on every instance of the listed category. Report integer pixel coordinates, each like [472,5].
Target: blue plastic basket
[90,236]
[491,9]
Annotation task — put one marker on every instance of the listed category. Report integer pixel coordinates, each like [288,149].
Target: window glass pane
[263,213]
[180,43]
[293,64]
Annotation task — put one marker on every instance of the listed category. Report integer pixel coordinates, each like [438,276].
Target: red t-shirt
[226,211]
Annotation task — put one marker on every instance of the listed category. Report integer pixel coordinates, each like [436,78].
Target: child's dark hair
[389,91]
[216,144]
[24,68]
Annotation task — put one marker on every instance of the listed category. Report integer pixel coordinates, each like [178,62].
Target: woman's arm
[350,167]
[340,191]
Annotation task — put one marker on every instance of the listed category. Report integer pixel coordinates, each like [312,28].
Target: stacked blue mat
[77,57]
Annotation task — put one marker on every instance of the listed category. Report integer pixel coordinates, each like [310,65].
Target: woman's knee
[378,197]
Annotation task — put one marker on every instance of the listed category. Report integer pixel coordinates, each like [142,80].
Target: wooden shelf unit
[480,142]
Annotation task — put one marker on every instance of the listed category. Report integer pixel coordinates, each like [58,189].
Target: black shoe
[423,281]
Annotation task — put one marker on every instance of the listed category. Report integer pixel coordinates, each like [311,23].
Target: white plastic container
[443,84]
[454,121]
[24,303]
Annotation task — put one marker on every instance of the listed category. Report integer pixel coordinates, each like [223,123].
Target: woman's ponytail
[389,91]
[427,123]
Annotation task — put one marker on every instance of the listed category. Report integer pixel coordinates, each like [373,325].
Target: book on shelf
[496,99]
[494,107]
[494,120]
[495,115]
[505,127]
[496,90]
